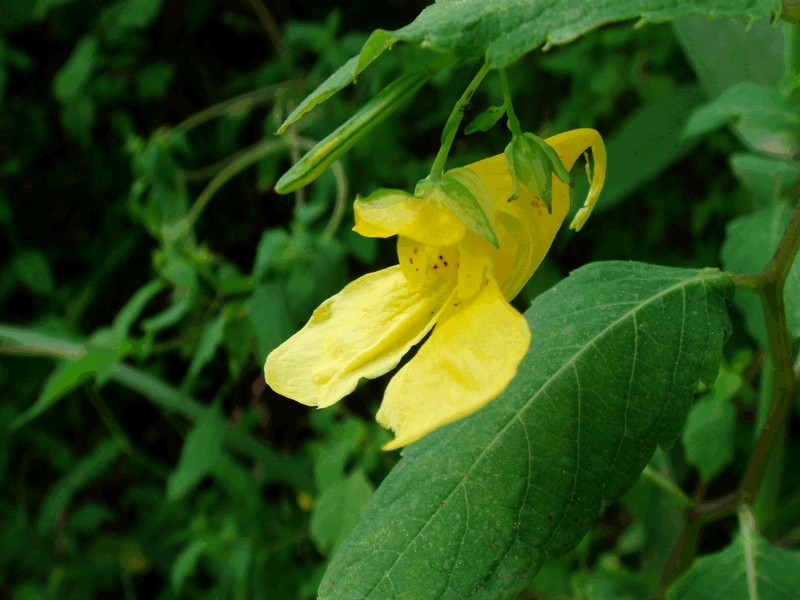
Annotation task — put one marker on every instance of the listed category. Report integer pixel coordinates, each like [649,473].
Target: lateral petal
[470,358]
[363,331]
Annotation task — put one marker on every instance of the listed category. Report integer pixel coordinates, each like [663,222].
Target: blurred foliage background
[147,269]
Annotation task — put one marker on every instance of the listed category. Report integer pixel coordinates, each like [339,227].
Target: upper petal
[394,212]
[363,331]
[524,226]
[468,360]
[569,146]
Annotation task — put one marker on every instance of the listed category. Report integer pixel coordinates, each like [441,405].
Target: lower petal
[363,331]
[469,359]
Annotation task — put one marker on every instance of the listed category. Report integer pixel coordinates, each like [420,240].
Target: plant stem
[453,121]
[233,106]
[511,116]
[784,381]
[242,161]
[668,486]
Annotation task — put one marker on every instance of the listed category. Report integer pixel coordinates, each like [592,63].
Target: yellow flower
[448,276]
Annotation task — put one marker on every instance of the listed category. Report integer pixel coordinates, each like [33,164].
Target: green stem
[453,121]
[748,532]
[791,55]
[234,106]
[243,160]
[784,381]
[513,122]
[668,486]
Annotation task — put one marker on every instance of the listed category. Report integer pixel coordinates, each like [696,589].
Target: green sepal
[533,162]
[485,120]
[320,157]
[463,193]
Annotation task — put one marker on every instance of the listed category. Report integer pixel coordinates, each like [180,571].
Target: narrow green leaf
[338,509]
[749,244]
[473,509]
[66,377]
[485,120]
[505,30]
[83,472]
[134,307]
[201,450]
[33,270]
[76,72]
[207,345]
[185,562]
[376,44]
[316,160]
[742,571]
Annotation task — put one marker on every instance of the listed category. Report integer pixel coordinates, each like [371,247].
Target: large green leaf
[505,30]
[753,51]
[475,508]
[749,569]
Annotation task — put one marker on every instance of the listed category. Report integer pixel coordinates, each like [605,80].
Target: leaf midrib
[682,284]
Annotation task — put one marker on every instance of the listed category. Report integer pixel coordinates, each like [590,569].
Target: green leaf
[124,16]
[376,44]
[709,435]
[207,345]
[269,317]
[768,177]
[505,30]
[338,509]
[336,448]
[648,142]
[77,71]
[476,507]
[153,80]
[750,568]
[133,308]
[485,120]
[749,244]
[201,450]
[753,51]
[766,120]
[33,270]
[268,252]
[98,360]
[316,160]
[83,472]
[185,563]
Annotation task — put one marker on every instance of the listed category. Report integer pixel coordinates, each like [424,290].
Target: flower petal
[569,146]
[524,227]
[393,212]
[469,359]
[363,331]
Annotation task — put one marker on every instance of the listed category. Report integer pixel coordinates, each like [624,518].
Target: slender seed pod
[311,166]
